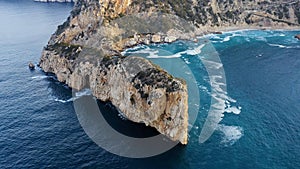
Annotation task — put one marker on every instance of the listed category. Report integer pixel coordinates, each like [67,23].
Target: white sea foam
[155,55]
[83,92]
[261,38]
[218,39]
[64,101]
[231,134]
[138,50]
[195,51]
[152,53]
[247,39]
[277,45]
[220,101]
[39,77]
[77,95]
[203,88]
[234,110]
[209,36]
[284,46]
[187,62]
[227,38]
[230,35]
[122,115]
[240,31]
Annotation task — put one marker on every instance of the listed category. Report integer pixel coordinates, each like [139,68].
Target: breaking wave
[277,45]
[233,109]
[284,46]
[220,104]
[220,100]
[247,34]
[154,53]
[39,77]
[77,95]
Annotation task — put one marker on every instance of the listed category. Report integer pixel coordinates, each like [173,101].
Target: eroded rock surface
[85,51]
[141,90]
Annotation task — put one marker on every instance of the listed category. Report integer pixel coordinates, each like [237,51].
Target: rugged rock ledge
[141,90]
[85,50]
[85,53]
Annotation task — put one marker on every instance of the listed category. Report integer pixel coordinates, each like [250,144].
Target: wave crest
[77,95]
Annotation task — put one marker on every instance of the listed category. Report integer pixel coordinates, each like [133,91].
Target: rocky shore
[84,54]
[141,90]
[85,51]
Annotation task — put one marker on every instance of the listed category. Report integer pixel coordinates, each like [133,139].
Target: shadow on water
[117,121]
[112,115]
[58,90]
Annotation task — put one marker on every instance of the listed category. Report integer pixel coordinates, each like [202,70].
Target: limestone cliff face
[112,25]
[141,90]
[85,51]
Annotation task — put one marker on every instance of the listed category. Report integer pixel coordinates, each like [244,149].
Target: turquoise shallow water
[39,128]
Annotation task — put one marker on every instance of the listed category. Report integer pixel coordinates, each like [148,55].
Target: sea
[247,108]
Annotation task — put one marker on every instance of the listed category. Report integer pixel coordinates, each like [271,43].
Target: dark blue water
[39,128]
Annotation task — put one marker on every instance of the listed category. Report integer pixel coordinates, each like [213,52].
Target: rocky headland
[85,51]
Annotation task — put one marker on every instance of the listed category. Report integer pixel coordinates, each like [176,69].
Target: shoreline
[222,29]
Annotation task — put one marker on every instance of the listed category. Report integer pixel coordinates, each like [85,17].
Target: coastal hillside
[90,17]
[84,52]
[212,13]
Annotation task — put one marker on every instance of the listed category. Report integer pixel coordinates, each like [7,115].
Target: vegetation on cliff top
[65,50]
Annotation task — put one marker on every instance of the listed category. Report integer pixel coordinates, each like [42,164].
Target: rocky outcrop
[113,25]
[85,51]
[31,66]
[141,90]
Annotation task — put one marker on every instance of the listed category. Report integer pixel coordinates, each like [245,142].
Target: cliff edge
[85,51]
